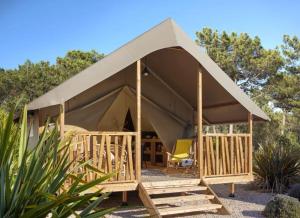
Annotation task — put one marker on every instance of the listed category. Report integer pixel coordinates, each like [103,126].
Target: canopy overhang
[173,60]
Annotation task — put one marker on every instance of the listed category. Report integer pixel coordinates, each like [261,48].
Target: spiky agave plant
[31,180]
[276,165]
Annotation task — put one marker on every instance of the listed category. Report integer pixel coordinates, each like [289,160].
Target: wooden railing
[106,152]
[226,154]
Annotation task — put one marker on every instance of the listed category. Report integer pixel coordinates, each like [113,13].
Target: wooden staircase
[177,197]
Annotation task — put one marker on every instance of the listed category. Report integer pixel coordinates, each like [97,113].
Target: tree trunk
[283,122]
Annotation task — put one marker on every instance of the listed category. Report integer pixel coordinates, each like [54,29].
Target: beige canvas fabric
[98,97]
[168,127]
[162,42]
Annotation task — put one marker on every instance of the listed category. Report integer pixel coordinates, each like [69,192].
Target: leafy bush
[295,191]
[276,165]
[282,206]
[31,181]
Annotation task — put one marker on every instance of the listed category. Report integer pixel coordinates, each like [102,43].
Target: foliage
[282,206]
[284,87]
[285,90]
[31,80]
[276,165]
[75,61]
[295,191]
[291,51]
[267,132]
[243,58]
[31,181]
[270,76]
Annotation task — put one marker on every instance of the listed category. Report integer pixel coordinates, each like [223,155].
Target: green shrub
[282,206]
[276,165]
[295,191]
[31,181]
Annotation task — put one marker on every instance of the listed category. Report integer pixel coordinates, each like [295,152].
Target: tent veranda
[99,97]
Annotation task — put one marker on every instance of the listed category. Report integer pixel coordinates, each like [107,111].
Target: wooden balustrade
[226,154]
[107,152]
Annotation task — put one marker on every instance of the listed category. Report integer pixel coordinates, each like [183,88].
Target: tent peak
[164,35]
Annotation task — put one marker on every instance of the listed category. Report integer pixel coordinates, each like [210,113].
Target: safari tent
[159,84]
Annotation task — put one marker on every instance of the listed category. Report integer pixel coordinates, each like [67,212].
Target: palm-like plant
[276,165]
[32,181]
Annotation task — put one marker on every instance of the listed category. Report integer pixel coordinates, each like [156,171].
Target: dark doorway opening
[128,124]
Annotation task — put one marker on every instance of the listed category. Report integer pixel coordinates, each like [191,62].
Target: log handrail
[104,133]
[226,154]
[108,152]
[226,134]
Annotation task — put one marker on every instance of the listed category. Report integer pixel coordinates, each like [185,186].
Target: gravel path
[246,203]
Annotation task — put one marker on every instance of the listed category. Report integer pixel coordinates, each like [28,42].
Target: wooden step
[181,199]
[175,189]
[188,209]
[179,182]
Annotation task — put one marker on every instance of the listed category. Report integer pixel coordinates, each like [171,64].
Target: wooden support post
[199,119]
[250,127]
[138,121]
[124,198]
[62,119]
[34,129]
[232,190]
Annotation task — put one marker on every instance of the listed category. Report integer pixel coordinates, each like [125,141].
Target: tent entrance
[153,151]
[128,123]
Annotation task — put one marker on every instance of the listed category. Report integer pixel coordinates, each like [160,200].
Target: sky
[43,30]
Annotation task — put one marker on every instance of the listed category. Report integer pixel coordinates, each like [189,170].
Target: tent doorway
[128,123]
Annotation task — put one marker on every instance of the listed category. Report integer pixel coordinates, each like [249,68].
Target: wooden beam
[138,121]
[147,201]
[181,182]
[124,198]
[118,186]
[33,127]
[250,129]
[199,121]
[112,133]
[223,179]
[62,119]
[232,190]
[175,189]
[181,199]
[223,210]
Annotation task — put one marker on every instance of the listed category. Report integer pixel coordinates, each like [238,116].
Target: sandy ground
[246,203]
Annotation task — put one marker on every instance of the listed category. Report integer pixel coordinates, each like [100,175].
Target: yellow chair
[181,151]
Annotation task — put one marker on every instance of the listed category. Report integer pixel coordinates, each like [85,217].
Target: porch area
[226,159]
[129,110]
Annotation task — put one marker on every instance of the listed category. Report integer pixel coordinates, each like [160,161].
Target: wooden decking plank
[188,209]
[178,189]
[181,199]
[171,183]
[229,179]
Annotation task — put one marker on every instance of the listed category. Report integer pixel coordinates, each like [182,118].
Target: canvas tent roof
[173,60]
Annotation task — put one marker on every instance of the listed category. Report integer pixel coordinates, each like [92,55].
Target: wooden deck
[225,158]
